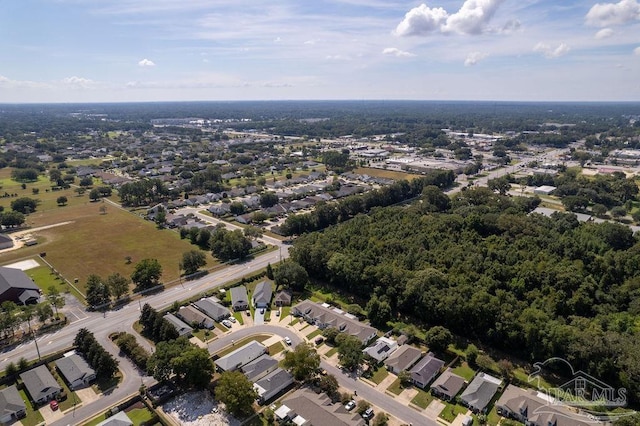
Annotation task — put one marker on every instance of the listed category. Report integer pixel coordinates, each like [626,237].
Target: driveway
[258,318]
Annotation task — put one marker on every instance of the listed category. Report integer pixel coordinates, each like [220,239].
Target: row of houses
[255,363]
[202,314]
[262,296]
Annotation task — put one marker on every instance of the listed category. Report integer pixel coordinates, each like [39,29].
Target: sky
[199,50]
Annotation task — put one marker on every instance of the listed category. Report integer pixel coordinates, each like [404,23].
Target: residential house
[426,370]
[535,408]
[259,367]
[12,406]
[305,407]
[181,327]
[402,359]
[192,316]
[381,349]
[323,316]
[5,241]
[272,384]
[118,419]
[239,298]
[241,356]
[479,392]
[17,287]
[282,298]
[212,308]
[262,295]
[75,370]
[40,385]
[447,385]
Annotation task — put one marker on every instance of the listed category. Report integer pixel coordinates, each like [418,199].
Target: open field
[389,174]
[96,243]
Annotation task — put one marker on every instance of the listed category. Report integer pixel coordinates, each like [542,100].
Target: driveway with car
[258,316]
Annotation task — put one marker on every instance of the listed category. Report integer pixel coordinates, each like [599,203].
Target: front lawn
[33,416]
[238,316]
[331,352]
[276,348]
[422,399]
[314,334]
[451,411]
[379,375]
[396,387]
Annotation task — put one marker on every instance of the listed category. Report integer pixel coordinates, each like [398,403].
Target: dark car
[319,340]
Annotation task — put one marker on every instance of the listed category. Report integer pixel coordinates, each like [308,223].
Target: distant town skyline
[170,50]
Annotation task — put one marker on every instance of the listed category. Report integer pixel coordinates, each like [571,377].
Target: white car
[232,319]
[350,405]
[287,340]
[226,323]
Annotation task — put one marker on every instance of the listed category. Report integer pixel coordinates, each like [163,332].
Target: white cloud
[78,81]
[472,18]
[607,14]
[421,20]
[473,58]
[636,51]
[337,58]
[146,63]
[394,51]
[511,26]
[550,52]
[604,33]
[277,40]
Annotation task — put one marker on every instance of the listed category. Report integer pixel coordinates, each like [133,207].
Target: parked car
[226,323]
[278,313]
[248,313]
[319,340]
[232,319]
[262,311]
[54,405]
[368,415]
[287,340]
[350,405]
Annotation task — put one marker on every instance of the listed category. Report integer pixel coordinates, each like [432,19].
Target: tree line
[326,214]
[485,268]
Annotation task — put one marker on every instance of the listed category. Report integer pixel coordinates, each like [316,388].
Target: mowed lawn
[97,243]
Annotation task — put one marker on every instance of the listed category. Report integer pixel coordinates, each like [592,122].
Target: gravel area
[196,409]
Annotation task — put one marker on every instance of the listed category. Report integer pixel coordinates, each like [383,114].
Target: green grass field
[331,352]
[451,411]
[379,375]
[33,416]
[95,243]
[276,348]
[389,174]
[396,387]
[463,370]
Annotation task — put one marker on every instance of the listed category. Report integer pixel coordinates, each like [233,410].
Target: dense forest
[486,268]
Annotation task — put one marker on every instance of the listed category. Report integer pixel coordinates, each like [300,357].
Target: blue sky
[167,50]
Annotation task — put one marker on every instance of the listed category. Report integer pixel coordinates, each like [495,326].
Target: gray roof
[331,317]
[273,383]
[448,383]
[15,280]
[212,308]
[319,410]
[426,369]
[74,367]
[403,358]
[39,382]
[181,327]
[190,314]
[263,293]
[539,408]
[258,366]
[480,391]
[284,297]
[241,356]
[239,296]
[381,349]
[10,401]
[118,419]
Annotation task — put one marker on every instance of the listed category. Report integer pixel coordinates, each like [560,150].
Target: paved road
[101,325]
[364,391]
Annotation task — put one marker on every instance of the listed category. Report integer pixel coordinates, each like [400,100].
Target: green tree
[160,363]
[146,274]
[438,338]
[471,354]
[381,419]
[11,370]
[362,406]
[236,392]
[11,219]
[118,285]
[500,185]
[405,377]
[269,271]
[194,367]
[349,351]
[329,384]
[86,181]
[192,260]
[61,200]
[302,362]
[291,275]
[94,194]
[98,293]
[236,208]
[44,311]
[24,205]
[379,312]
[599,210]
[56,299]
[268,199]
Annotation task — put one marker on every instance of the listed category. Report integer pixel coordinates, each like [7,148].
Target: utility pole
[34,338]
